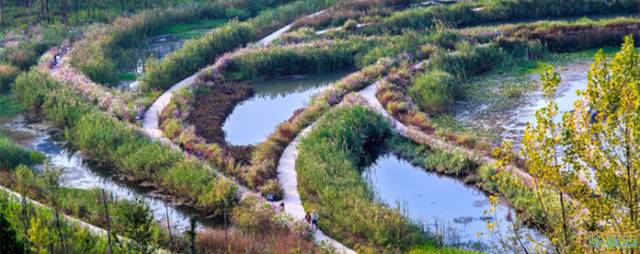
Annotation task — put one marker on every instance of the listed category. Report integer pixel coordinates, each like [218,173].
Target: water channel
[81,173]
[443,205]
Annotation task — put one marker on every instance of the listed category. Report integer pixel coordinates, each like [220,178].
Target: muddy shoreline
[509,123]
[212,108]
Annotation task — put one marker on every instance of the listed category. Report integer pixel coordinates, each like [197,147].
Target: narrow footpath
[292,202]
[369,94]
[288,178]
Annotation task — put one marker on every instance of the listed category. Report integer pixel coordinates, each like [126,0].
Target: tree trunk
[564,220]
[192,235]
[64,9]
[106,214]
[25,216]
[30,6]
[60,232]
[1,8]
[166,209]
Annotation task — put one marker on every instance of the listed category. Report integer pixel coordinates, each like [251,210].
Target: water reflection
[441,204]
[273,103]
[80,174]
[156,47]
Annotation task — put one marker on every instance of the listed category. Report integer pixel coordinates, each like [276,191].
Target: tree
[24,178]
[1,9]
[107,217]
[64,10]
[51,177]
[10,243]
[135,220]
[543,151]
[589,161]
[602,137]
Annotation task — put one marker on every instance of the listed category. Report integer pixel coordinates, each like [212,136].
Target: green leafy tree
[586,165]
[136,221]
[10,243]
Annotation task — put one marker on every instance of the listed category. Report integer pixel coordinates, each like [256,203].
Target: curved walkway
[292,202]
[288,178]
[369,94]
[151,121]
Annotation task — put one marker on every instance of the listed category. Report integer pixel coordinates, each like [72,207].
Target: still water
[441,204]
[273,103]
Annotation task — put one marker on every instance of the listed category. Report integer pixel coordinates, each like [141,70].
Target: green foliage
[64,108]
[435,91]
[97,55]
[10,242]
[32,88]
[41,229]
[9,106]
[195,54]
[329,165]
[202,51]
[8,74]
[12,155]
[114,143]
[454,163]
[465,13]
[135,221]
[311,58]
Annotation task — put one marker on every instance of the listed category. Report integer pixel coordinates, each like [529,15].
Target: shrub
[329,164]
[98,53]
[434,91]
[8,74]
[293,60]
[465,13]
[198,53]
[12,155]
[41,225]
[272,186]
[64,108]
[32,88]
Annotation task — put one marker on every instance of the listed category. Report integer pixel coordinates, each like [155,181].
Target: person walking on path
[307,218]
[314,220]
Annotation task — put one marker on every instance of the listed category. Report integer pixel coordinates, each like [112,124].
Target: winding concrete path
[288,178]
[369,94]
[151,121]
[266,41]
[286,167]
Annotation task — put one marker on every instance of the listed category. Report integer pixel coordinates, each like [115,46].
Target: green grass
[9,106]
[193,30]
[526,67]
[127,76]
[430,249]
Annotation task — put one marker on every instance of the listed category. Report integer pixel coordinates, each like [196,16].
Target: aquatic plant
[329,164]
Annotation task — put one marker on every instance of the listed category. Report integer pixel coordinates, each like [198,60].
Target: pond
[81,173]
[274,102]
[566,95]
[441,204]
[509,123]
[156,47]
